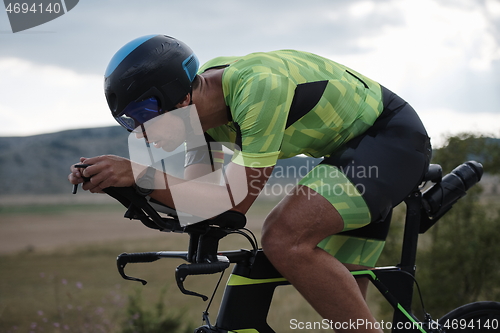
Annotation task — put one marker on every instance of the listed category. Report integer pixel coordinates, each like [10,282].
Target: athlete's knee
[271,231]
[284,244]
[294,228]
[278,237]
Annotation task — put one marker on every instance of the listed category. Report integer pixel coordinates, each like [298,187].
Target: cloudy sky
[442,56]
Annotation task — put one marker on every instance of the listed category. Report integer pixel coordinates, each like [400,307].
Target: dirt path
[41,232]
[28,232]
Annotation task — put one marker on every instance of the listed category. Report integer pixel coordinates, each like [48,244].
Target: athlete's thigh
[303,216]
[331,184]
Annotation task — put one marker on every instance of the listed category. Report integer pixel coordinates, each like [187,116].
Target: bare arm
[198,197]
[203,198]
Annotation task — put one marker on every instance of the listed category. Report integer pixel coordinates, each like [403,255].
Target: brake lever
[123,259]
[184,270]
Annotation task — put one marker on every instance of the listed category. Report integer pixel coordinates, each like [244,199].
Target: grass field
[59,274]
[58,268]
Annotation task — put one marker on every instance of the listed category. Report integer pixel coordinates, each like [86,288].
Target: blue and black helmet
[150,68]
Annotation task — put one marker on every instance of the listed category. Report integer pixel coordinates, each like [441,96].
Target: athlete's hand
[103,171]
[76,177]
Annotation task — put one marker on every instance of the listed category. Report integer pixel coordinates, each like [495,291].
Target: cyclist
[277,105]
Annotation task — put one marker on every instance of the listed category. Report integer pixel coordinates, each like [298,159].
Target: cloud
[444,55]
[42,99]
[441,123]
[436,54]
[86,38]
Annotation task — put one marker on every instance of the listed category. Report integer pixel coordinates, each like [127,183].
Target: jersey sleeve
[259,104]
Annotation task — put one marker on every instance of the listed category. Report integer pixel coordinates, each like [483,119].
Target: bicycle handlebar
[184,270]
[203,247]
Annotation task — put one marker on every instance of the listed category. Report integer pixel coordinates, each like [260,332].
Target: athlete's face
[166,131]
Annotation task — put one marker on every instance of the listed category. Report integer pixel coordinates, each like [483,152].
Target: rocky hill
[40,164]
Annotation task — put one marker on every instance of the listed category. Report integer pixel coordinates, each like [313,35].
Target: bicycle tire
[473,317]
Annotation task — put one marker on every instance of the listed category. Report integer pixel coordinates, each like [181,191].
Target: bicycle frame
[250,291]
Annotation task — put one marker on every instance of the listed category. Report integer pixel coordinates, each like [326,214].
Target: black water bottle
[439,199]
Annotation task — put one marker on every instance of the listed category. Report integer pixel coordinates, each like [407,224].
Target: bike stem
[411,232]
[405,285]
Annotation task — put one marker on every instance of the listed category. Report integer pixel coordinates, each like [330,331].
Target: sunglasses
[137,113]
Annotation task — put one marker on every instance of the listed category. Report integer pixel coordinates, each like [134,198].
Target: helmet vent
[190,66]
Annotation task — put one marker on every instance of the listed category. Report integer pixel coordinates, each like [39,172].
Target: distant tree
[466,146]
[462,263]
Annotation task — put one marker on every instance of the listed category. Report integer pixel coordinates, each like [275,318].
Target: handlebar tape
[201,268]
[139,257]
[185,270]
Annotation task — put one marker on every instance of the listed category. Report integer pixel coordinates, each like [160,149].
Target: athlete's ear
[185,102]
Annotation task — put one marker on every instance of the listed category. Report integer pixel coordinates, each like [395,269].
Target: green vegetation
[462,264]
[80,290]
[467,146]
[157,320]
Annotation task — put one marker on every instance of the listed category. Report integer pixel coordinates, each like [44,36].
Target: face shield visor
[137,113]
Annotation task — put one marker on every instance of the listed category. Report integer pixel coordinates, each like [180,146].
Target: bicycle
[250,287]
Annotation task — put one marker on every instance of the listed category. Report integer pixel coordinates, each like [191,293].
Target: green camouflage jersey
[286,103]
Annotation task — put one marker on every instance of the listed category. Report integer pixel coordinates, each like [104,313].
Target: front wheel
[473,317]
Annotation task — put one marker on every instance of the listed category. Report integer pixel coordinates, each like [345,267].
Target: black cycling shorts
[397,150]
